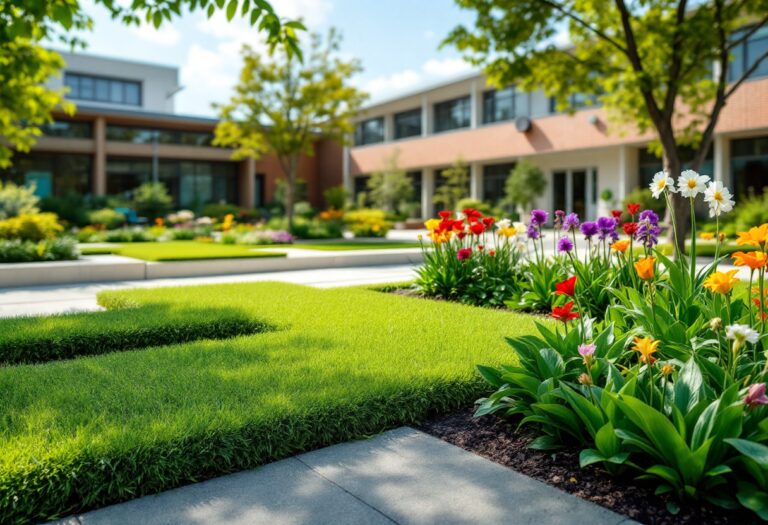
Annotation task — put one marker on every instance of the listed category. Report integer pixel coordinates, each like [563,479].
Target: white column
[389,127]
[473,104]
[426,117]
[427,190]
[346,177]
[476,181]
[722,157]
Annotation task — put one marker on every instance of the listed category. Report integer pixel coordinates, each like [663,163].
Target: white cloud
[165,36]
[431,71]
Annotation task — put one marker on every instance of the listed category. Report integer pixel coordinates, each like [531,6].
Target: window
[370,131]
[138,135]
[102,89]
[747,53]
[72,129]
[408,124]
[575,101]
[453,114]
[499,105]
[749,166]
[495,180]
[52,174]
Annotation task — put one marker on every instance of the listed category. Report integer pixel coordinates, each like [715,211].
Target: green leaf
[606,440]
[753,498]
[754,451]
[688,386]
[588,456]
[492,375]
[231,9]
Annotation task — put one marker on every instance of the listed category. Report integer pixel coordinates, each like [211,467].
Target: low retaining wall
[110,268]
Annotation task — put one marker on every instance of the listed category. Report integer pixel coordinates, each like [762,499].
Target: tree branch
[746,74]
[748,34]
[570,14]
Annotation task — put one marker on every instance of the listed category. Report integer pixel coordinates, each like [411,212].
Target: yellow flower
[644,268]
[757,236]
[432,224]
[647,346]
[620,246]
[508,232]
[721,282]
[755,260]
[667,369]
[707,236]
[440,238]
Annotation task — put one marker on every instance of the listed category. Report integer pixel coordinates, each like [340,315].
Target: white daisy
[661,182]
[691,183]
[503,224]
[741,333]
[719,198]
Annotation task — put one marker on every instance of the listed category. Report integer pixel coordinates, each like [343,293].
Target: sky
[396,40]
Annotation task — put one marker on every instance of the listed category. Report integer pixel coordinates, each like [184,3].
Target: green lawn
[183,251]
[351,245]
[338,364]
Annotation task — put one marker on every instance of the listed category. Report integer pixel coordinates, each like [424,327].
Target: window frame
[74,80]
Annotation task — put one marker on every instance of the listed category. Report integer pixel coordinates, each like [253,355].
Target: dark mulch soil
[499,441]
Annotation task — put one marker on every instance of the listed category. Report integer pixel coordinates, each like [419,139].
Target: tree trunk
[680,206]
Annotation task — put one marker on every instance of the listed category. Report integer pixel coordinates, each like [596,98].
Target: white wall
[157,82]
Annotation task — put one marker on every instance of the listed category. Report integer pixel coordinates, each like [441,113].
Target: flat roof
[424,89]
[141,114]
[64,53]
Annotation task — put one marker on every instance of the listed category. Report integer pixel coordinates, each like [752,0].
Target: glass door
[571,191]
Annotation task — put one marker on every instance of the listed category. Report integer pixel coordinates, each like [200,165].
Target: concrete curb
[110,268]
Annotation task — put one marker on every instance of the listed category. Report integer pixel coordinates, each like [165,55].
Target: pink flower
[464,253]
[587,350]
[756,395]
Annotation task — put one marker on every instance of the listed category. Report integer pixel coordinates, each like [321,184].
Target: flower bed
[656,368]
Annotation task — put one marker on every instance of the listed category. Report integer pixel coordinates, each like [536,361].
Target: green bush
[107,217]
[152,200]
[117,331]
[367,223]
[336,197]
[72,209]
[750,212]
[16,200]
[17,250]
[219,211]
[31,227]
[303,209]
[643,197]
[307,228]
[128,235]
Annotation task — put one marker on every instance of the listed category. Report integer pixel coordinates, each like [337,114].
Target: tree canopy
[26,67]
[282,106]
[390,188]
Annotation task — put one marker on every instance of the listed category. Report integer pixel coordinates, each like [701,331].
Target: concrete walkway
[55,299]
[403,477]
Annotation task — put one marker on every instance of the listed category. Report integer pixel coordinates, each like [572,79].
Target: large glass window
[575,101]
[370,131]
[51,173]
[102,89]
[650,164]
[453,114]
[749,166]
[499,105]
[73,129]
[408,124]
[139,135]
[747,53]
[494,181]
[192,184]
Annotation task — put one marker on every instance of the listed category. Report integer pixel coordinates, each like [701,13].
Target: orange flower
[646,346]
[620,246]
[707,236]
[645,268]
[755,260]
[757,236]
[721,282]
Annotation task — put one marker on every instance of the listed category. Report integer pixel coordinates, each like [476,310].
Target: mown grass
[184,251]
[341,364]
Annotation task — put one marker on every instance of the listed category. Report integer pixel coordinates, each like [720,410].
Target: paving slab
[402,476]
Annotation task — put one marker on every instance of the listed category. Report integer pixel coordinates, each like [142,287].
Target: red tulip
[477,228]
[488,221]
[567,287]
[616,215]
[563,313]
[464,253]
[630,228]
[633,209]
[444,214]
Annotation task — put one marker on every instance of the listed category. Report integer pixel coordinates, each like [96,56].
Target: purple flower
[589,229]
[571,222]
[607,227]
[559,214]
[756,395]
[539,217]
[533,232]
[647,229]
[564,245]
[650,216]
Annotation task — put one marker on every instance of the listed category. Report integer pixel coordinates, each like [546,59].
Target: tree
[282,106]
[152,200]
[648,63]
[525,184]
[454,187]
[25,66]
[390,188]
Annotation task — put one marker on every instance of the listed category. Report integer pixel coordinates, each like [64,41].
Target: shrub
[72,209]
[524,185]
[367,223]
[31,227]
[17,250]
[219,211]
[259,237]
[336,197]
[151,200]
[752,210]
[16,200]
[107,217]
[303,209]
[390,188]
[453,185]
[307,229]
[135,234]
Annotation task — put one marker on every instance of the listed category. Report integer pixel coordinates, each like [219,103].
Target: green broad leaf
[688,386]
[618,459]
[526,382]
[491,375]
[589,456]
[591,415]
[550,363]
[673,507]
[753,498]
[757,452]
[718,471]
[663,488]
[606,440]
[231,9]
[666,473]
[245,8]
[544,443]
